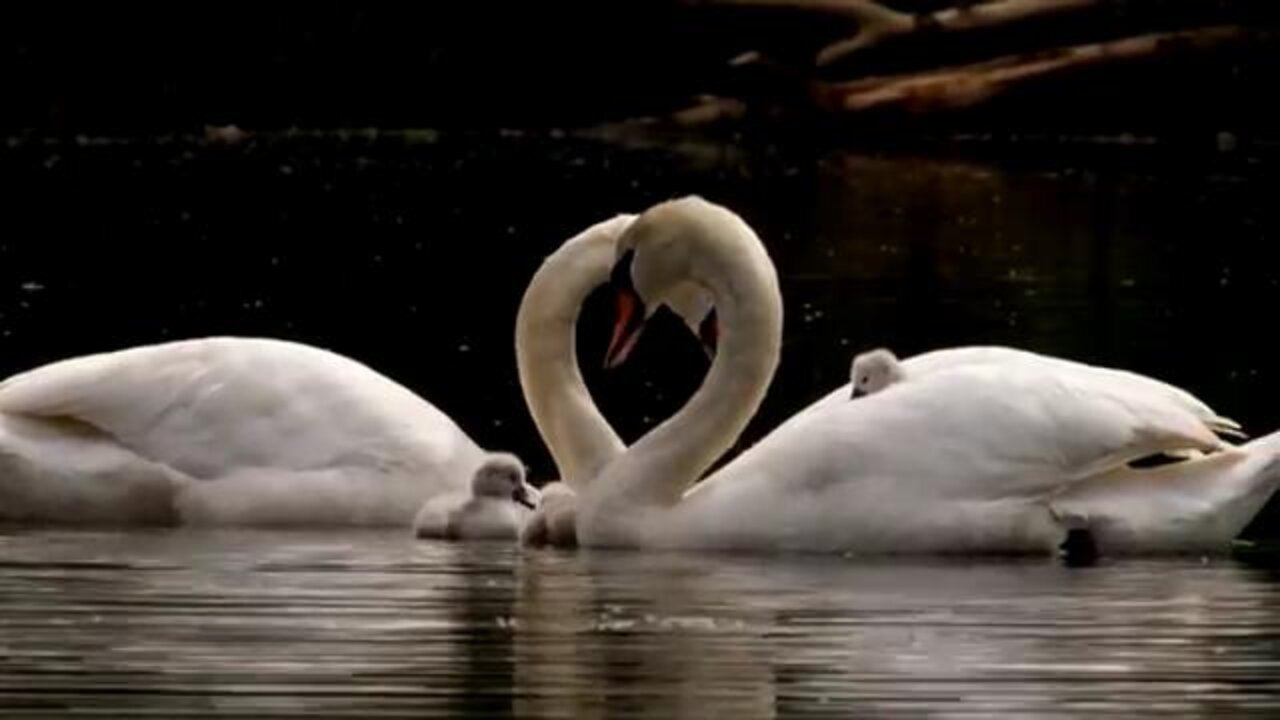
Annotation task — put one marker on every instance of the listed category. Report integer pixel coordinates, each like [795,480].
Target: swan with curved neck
[577,435]
[981,458]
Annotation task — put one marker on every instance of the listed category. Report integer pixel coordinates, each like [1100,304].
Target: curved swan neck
[726,257]
[578,436]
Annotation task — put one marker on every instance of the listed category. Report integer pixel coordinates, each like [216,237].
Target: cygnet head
[501,475]
[874,371]
[554,522]
[655,268]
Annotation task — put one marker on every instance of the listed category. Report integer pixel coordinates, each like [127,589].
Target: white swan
[553,522]
[223,431]
[579,438]
[491,510]
[981,458]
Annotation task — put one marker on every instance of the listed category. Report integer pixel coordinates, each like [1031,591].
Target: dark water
[372,626]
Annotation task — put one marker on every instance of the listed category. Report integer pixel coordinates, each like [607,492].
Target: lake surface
[194,624]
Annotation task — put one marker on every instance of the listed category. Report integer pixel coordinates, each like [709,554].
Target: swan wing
[207,407]
[948,359]
[974,432]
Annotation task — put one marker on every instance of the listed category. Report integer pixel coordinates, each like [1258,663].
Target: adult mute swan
[984,457]
[579,438]
[491,511]
[223,431]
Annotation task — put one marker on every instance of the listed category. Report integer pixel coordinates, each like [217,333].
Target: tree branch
[968,85]
[879,25]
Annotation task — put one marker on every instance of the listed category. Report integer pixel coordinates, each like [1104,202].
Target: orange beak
[627,325]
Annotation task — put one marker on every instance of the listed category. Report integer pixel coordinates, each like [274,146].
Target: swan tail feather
[1200,505]
[1266,450]
[1227,427]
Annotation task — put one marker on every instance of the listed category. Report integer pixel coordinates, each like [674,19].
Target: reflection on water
[375,625]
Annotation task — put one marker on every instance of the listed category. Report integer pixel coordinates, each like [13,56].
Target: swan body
[492,510]
[223,431]
[984,455]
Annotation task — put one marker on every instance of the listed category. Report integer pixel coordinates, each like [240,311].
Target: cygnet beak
[857,392]
[525,495]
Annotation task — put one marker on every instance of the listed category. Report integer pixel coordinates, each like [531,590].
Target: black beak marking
[709,333]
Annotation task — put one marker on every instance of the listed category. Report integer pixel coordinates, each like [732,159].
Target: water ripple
[187,624]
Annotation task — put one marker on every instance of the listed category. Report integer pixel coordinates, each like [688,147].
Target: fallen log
[968,85]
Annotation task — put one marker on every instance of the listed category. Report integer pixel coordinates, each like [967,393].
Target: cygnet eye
[865,379]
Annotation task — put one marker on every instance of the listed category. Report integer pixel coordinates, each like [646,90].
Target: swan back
[207,406]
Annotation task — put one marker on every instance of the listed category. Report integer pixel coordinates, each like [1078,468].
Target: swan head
[657,267]
[554,522]
[501,476]
[874,371]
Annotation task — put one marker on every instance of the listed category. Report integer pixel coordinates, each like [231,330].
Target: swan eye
[865,379]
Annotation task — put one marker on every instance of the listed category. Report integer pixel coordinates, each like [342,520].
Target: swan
[579,438]
[553,521]
[223,431]
[984,457]
[490,511]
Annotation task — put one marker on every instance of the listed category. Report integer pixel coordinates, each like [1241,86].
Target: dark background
[153,67]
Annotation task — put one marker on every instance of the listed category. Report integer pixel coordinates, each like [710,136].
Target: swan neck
[577,435]
[662,465]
